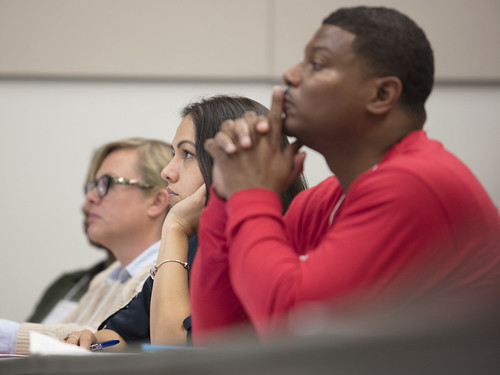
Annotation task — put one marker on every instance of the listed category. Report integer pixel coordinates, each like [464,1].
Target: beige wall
[216,39]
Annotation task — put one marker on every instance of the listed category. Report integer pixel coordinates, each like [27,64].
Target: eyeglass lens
[101,185]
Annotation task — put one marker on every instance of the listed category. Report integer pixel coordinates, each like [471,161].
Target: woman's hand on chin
[185,215]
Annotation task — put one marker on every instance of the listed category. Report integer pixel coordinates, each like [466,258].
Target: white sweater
[102,299]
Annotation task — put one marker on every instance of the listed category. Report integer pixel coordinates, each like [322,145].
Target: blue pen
[104,344]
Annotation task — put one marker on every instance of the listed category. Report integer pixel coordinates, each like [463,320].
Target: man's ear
[386,95]
[159,203]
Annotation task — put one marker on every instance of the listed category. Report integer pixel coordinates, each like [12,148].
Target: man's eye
[315,65]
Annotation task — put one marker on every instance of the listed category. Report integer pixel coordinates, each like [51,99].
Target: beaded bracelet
[156,267]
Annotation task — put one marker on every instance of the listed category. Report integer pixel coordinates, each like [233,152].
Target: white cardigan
[102,299]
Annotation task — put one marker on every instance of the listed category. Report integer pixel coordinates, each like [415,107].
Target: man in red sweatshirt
[401,223]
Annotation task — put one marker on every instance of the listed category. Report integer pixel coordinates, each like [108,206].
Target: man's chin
[288,128]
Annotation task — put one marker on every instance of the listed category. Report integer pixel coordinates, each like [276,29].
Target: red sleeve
[213,302]
[378,233]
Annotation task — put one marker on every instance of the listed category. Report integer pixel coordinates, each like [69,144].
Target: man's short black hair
[391,44]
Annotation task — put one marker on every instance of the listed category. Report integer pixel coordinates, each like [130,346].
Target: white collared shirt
[122,274]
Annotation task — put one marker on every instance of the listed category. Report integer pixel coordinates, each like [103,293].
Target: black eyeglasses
[103,183]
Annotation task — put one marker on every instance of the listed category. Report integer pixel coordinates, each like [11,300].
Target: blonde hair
[153,156]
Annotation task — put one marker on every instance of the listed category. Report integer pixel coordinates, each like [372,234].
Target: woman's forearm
[170,303]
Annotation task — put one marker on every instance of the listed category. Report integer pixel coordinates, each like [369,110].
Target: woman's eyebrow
[185,141]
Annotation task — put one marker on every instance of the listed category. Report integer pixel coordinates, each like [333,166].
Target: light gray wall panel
[215,39]
[134,38]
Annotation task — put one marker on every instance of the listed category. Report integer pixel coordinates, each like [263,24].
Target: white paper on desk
[43,344]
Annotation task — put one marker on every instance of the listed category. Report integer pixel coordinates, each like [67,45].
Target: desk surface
[467,351]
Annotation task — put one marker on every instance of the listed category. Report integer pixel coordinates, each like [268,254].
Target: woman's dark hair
[207,115]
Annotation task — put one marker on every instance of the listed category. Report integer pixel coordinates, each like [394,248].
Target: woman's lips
[90,218]
[171,193]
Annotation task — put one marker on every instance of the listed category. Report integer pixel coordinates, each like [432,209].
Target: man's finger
[292,152]
[226,142]
[275,114]
[242,130]
[293,148]
[213,148]
[262,126]
[297,168]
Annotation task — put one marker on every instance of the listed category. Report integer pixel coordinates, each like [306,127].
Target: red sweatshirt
[417,224]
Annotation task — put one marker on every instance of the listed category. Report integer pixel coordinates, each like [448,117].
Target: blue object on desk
[104,344]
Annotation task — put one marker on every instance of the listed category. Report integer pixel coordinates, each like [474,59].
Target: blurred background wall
[75,74]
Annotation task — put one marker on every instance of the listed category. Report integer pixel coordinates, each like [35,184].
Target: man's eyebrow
[316,48]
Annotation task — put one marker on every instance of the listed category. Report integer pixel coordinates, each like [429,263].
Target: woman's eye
[187,154]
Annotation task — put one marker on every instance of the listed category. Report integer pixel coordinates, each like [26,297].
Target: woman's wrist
[174,227]
[174,244]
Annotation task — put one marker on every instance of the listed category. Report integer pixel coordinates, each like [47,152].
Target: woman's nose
[91,196]
[170,172]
